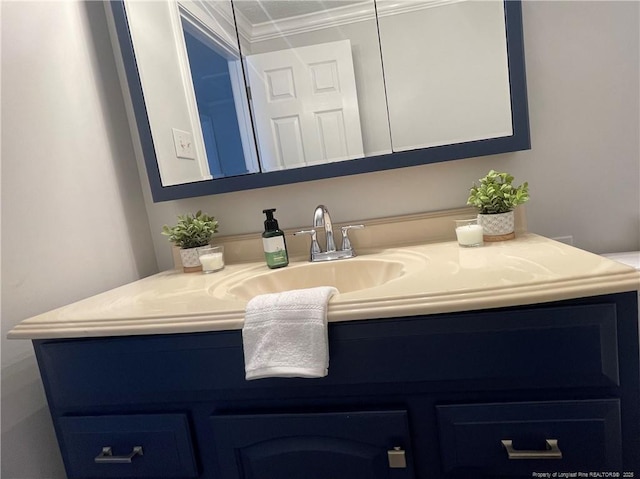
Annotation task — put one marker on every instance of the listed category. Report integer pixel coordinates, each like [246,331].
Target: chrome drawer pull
[552,452]
[106,456]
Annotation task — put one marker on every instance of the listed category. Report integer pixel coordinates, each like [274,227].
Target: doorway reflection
[218,87]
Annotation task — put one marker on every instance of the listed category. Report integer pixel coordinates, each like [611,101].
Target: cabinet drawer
[525,348]
[587,433]
[140,446]
[345,445]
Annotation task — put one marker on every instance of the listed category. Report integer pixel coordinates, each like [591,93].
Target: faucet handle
[346,243]
[315,247]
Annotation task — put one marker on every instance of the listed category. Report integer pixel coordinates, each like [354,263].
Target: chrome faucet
[322,218]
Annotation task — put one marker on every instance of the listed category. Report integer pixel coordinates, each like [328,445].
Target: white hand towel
[285,334]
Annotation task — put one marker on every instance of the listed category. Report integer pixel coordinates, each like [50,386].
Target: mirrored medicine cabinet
[231,95]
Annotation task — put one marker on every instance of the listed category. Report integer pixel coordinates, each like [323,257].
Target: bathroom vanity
[507,360]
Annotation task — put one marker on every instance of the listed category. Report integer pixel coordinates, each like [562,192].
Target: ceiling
[264,11]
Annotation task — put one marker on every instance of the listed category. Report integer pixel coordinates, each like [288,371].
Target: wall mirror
[238,94]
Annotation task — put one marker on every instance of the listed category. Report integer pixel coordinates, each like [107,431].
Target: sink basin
[345,275]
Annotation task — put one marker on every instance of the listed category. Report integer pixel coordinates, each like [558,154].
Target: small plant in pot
[191,233]
[496,197]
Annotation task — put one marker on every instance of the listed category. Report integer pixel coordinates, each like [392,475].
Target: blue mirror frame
[518,141]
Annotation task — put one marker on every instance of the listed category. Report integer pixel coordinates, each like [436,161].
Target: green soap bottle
[273,242]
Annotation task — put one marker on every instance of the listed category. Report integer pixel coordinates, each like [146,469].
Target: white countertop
[437,278]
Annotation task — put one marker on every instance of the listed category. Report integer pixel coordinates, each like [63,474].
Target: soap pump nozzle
[270,224]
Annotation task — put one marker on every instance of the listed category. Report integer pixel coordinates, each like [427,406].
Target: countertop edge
[448,302]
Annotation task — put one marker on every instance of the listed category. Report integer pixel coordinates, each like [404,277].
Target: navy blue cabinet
[497,393]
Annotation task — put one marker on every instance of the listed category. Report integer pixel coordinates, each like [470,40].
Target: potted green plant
[496,197]
[189,234]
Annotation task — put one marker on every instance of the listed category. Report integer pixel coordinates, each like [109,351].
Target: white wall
[73,218]
[583,169]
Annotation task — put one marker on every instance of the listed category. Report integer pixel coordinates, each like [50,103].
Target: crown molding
[330,18]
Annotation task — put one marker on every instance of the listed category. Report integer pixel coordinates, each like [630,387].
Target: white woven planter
[498,227]
[190,260]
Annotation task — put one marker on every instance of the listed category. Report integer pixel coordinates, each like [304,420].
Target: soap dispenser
[273,242]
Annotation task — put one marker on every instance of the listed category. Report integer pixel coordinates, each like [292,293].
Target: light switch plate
[183,142]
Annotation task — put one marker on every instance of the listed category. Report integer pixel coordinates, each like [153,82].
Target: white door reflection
[308,105]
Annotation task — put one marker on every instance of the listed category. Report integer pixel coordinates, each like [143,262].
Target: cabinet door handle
[397,458]
[106,456]
[552,451]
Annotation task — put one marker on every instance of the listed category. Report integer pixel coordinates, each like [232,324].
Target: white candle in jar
[469,235]
[212,261]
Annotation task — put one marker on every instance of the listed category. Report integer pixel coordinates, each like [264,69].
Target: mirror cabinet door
[190,71]
[239,94]
[221,95]
[446,72]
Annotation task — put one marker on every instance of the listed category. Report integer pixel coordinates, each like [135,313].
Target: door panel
[312,91]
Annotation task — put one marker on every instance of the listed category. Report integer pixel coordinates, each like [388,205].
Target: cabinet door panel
[323,445]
